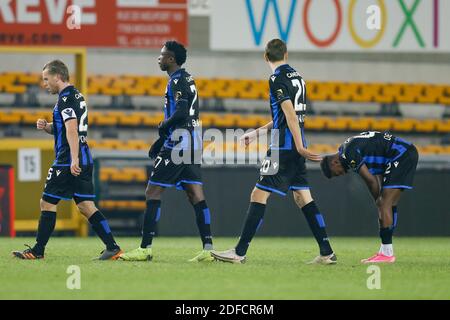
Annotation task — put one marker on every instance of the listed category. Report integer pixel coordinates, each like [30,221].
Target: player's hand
[155,148]
[75,168]
[41,124]
[305,153]
[247,138]
[162,130]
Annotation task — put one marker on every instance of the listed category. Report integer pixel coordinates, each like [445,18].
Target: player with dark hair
[387,165]
[70,176]
[181,114]
[288,171]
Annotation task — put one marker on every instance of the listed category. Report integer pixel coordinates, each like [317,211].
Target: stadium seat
[317,123]
[339,124]
[361,124]
[152,119]
[29,79]
[321,91]
[207,119]
[345,91]
[10,117]
[431,94]
[134,119]
[138,144]
[30,118]
[252,122]
[443,126]
[383,124]
[444,98]
[426,126]
[367,92]
[404,125]
[226,120]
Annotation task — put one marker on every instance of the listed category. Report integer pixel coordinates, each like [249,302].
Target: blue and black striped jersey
[286,84]
[181,88]
[70,105]
[374,149]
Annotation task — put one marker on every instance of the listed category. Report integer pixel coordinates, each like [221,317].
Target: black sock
[47,223]
[317,225]
[255,216]
[101,228]
[151,217]
[203,219]
[386,235]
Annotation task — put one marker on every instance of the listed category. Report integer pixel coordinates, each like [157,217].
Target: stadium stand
[133,85]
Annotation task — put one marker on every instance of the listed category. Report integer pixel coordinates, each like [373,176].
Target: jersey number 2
[83,125]
[194,91]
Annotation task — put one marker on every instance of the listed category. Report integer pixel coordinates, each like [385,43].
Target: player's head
[332,166]
[173,53]
[276,51]
[55,74]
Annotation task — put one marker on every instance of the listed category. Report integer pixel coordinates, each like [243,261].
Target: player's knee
[259,196]
[87,207]
[45,206]
[382,204]
[195,197]
[302,199]
[153,193]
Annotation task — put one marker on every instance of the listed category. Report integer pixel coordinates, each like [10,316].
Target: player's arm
[42,124]
[181,111]
[371,181]
[74,144]
[249,137]
[292,122]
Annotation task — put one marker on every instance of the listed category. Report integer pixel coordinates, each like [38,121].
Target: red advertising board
[7,204]
[93,23]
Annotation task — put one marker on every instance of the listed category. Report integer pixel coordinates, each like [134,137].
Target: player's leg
[100,226]
[196,197]
[152,214]
[57,187]
[255,215]
[385,203]
[388,199]
[164,175]
[274,178]
[194,192]
[83,195]
[46,226]
[316,222]
[399,176]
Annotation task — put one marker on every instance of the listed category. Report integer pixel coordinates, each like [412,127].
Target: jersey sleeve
[279,90]
[180,92]
[351,156]
[67,106]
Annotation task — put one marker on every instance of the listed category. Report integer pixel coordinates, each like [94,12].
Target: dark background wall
[345,203]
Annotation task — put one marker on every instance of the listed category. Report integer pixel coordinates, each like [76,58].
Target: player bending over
[387,164]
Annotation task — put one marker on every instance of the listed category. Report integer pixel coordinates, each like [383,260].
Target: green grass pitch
[275,269]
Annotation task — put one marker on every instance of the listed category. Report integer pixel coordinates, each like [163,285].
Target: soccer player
[288,106]
[70,176]
[181,114]
[387,165]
